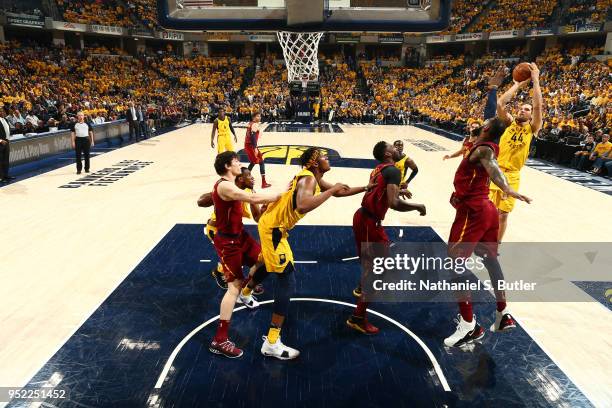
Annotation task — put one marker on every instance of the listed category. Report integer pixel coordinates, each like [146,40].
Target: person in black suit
[141,114]
[5,151]
[132,118]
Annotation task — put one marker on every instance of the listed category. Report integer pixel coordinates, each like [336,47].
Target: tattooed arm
[486,157]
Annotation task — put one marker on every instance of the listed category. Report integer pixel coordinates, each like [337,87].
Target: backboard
[300,15]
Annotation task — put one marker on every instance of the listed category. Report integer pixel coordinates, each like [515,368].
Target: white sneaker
[466,332]
[249,301]
[503,321]
[278,350]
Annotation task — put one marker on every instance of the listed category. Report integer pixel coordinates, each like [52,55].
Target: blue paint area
[115,358]
[600,291]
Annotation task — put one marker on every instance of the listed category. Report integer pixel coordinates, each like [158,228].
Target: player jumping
[367,221]
[234,246]
[515,142]
[476,227]
[308,191]
[250,147]
[224,125]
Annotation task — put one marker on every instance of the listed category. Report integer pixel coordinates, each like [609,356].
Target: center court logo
[288,154]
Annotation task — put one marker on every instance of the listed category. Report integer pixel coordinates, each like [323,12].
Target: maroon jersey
[467,146]
[229,213]
[375,201]
[471,179]
[251,137]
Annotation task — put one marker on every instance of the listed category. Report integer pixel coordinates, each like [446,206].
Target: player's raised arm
[536,121]
[502,113]
[494,83]
[229,192]
[486,157]
[212,136]
[307,200]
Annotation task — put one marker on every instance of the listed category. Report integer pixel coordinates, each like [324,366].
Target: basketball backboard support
[382,16]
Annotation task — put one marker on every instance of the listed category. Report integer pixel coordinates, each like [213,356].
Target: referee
[82,137]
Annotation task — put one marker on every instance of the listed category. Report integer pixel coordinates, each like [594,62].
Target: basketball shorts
[367,230]
[505,204]
[275,249]
[474,230]
[224,144]
[254,155]
[210,232]
[235,252]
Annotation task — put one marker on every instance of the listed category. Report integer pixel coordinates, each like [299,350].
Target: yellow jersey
[283,213]
[401,166]
[223,127]
[602,148]
[514,147]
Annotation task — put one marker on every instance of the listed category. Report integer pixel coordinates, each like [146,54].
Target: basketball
[521,72]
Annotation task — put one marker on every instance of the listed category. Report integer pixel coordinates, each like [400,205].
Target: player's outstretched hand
[446,157]
[535,71]
[497,78]
[518,196]
[421,209]
[405,193]
[212,144]
[522,84]
[338,187]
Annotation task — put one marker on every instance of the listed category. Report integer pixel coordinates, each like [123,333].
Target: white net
[301,55]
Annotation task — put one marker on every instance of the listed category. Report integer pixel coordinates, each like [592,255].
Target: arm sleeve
[392,175]
[491,106]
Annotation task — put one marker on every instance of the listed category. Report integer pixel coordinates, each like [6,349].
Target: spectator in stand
[601,154]
[586,148]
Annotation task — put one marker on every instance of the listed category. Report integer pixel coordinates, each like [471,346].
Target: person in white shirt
[32,118]
[82,137]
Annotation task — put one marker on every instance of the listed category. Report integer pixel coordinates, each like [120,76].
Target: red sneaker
[265,185]
[362,325]
[225,348]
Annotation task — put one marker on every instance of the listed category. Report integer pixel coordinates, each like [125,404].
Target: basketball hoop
[300,50]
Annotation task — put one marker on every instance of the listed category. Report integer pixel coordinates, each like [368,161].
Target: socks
[222,330]
[246,291]
[465,308]
[360,310]
[273,334]
[219,268]
[263,179]
[501,306]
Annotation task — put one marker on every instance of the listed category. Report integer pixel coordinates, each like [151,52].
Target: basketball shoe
[361,324]
[225,348]
[249,301]
[219,278]
[278,350]
[466,332]
[503,321]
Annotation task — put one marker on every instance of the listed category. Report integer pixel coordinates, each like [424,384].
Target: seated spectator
[585,150]
[601,154]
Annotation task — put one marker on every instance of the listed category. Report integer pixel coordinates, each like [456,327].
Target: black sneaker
[219,278]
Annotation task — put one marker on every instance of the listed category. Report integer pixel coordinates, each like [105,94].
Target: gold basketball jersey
[223,127]
[514,147]
[401,165]
[283,213]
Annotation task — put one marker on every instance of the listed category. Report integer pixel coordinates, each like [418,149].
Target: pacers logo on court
[289,154]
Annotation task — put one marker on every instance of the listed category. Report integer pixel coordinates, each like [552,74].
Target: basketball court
[107,289]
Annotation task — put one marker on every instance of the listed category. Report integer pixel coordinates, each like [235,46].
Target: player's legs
[255,157]
[217,272]
[224,144]
[466,232]
[367,233]
[230,252]
[503,224]
[278,259]
[504,204]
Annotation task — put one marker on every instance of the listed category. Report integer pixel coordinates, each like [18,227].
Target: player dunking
[308,191]
[515,142]
[234,246]
[385,180]
[404,163]
[250,147]
[223,125]
[476,226]
[244,181]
